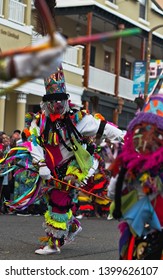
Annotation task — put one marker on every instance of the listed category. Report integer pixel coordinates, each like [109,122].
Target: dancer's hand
[40,64]
[45,172]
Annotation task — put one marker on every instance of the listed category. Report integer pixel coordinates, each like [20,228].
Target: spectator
[15,137]
[5,192]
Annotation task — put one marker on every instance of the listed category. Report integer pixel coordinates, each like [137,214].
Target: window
[126,67]
[107,59]
[112,1]
[142,9]
[92,56]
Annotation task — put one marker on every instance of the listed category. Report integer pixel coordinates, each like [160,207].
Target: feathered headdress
[151,115]
[39,23]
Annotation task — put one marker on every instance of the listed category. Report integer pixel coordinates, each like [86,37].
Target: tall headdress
[55,87]
[152,112]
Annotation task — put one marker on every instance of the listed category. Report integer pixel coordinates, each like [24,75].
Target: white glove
[44,172]
[43,63]
[36,152]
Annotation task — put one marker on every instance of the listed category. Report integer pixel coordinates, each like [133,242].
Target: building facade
[15,32]
[99,75]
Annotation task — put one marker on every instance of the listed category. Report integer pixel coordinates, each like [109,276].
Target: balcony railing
[99,80]
[71,56]
[126,88]
[17,12]
[104,81]
[1,7]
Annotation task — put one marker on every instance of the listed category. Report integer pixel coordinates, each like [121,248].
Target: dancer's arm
[38,156]
[40,64]
[90,126]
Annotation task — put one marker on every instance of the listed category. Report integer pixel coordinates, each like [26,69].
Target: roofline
[158,5]
[96,8]
[63,3]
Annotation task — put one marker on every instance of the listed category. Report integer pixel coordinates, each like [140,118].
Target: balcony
[99,80]
[71,56]
[15,11]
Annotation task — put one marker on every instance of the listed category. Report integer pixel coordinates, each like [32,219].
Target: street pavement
[19,239]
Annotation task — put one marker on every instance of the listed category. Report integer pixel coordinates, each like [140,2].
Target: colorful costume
[68,157]
[55,147]
[139,187]
[56,144]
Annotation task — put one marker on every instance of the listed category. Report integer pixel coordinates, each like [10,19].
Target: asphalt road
[19,239]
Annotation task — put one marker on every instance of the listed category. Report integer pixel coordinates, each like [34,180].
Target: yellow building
[98,75]
[108,65]
[15,32]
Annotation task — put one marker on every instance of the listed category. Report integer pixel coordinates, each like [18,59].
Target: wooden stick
[80,189]
[76,41]
[103,36]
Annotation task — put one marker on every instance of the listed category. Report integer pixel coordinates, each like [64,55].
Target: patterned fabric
[55,83]
[53,138]
[155,105]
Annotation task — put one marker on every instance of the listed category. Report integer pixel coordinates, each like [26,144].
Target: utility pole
[88,50]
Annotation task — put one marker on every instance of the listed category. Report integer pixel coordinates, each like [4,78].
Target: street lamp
[148,59]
